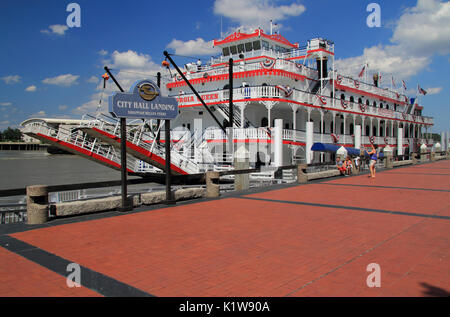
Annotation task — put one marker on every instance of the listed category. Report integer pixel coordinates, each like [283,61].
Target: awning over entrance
[332,148]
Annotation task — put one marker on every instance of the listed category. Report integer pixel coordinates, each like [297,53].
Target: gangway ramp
[140,145]
[80,144]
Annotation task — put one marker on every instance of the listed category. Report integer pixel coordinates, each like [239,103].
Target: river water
[19,169]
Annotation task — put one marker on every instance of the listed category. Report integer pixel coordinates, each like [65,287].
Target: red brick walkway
[310,240]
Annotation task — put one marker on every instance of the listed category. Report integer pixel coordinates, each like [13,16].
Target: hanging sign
[144,101]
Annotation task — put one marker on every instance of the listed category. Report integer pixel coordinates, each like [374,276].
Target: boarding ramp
[140,144]
[76,142]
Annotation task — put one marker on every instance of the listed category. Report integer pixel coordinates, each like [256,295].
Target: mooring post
[37,204]
[212,184]
[302,178]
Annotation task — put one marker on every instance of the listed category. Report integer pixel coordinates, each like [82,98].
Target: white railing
[280,64]
[81,141]
[243,93]
[138,135]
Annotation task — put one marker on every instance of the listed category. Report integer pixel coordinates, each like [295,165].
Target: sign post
[144,101]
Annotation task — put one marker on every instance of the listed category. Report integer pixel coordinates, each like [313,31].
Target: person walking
[373,160]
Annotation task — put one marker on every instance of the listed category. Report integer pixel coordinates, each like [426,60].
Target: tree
[11,135]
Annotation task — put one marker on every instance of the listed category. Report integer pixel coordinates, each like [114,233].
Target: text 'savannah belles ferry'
[285,97]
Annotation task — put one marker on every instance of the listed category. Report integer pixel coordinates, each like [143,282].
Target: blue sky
[49,70]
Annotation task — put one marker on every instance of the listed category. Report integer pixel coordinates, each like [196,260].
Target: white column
[400,141]
[357,130]
[278,142]
[294,108]
[309,141]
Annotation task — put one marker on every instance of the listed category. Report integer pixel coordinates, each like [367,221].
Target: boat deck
[295,240]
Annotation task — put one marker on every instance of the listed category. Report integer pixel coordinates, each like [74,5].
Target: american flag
[361,73]
[404,85]
[423,92]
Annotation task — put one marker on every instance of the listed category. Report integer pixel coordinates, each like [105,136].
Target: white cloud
[5,104]
[421,32]
[433,90]
[102,52]
[62,80]
[57,29]
[127,67]
[193,47]
[12,79]
[62,107]
[38,114]
[93,80]
[31,88]
[251,14]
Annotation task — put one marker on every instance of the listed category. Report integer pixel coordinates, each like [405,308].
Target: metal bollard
[212,184]
[302,178]
[37,204]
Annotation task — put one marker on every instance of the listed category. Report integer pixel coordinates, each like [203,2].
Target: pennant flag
[423,92]
[404,85]
[361,73]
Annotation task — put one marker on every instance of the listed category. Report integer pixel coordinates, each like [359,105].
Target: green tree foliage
[11,135]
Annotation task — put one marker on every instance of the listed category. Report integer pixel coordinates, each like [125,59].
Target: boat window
[381,105]
[233,50]
[342,96]
[226,51]
[256,45]
[352,99]
[264,122]
[367,102]
[241,48]
[359,100]
[374,104]
[265,45]
[248,47]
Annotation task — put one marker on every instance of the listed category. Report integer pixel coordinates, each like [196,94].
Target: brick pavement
[307,240]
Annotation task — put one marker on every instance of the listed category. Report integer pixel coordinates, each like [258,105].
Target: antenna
[221,36]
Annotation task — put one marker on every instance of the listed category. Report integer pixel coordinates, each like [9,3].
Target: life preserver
[165,64]
[335,138]
[205,75]
[179,78]
[344,104]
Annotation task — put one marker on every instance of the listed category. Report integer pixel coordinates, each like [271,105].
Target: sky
[49,69]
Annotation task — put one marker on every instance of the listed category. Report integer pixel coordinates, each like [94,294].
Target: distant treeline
[11,135]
